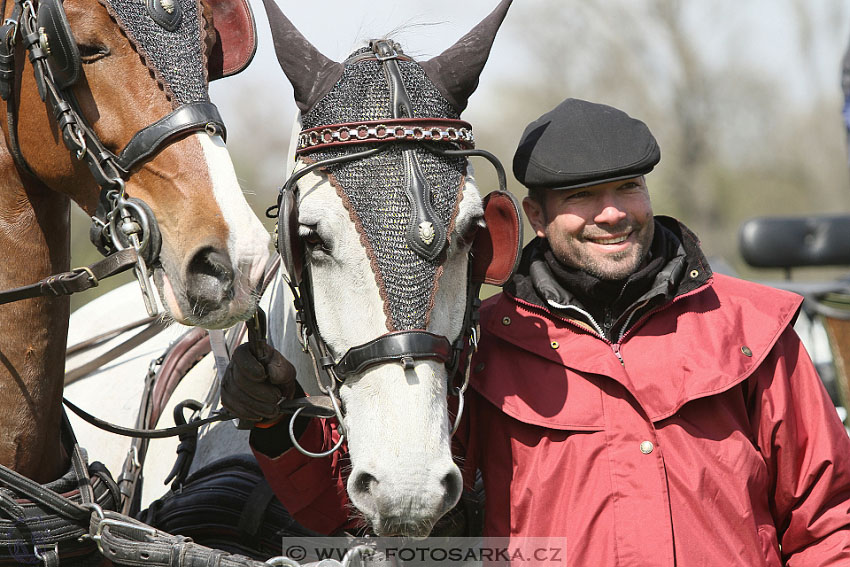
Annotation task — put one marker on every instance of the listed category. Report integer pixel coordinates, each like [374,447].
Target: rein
[120,223]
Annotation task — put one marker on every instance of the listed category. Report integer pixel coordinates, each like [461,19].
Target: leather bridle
[406,346]
[120,222]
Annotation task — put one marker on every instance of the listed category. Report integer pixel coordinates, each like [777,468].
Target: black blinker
[57,41]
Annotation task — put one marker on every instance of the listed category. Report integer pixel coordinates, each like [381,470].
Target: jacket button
[646,447]
[554,344]
[746,350]
[479,367]
[506,321]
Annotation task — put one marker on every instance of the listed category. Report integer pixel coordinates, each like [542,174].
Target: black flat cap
[581,143]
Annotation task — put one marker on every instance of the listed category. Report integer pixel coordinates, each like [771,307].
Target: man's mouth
[611,240]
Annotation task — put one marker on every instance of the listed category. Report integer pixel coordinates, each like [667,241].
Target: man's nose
[610,211]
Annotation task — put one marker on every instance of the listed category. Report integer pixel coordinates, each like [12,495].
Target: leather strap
[79,279]
[400,345]
[126,541]
[98,340]
[187,118]
[144,433]
[153,329]
[314,406]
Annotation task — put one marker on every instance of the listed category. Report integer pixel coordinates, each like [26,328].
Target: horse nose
[209,279]
[409,505]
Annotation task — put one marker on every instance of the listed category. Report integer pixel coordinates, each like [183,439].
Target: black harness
[120,222]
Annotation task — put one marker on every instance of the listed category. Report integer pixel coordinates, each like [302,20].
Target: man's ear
[536,214]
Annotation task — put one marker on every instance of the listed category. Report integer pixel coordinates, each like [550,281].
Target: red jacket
[712,443]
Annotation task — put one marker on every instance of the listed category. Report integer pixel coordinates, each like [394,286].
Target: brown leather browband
[389,130]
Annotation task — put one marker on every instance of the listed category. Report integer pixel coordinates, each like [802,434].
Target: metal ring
[115,215]
[78,137]
[92,278]
[282,560]
[304,451]
[459,411]
[95,507]
[46,547]
[361,550]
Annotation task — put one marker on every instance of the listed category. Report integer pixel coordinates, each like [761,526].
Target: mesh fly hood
[168,34]
[373,188]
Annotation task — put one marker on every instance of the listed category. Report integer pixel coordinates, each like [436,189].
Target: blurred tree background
[744,97]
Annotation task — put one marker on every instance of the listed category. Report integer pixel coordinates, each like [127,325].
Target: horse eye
[311,238]
[92,53]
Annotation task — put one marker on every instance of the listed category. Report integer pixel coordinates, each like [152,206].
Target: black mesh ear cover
[63,56]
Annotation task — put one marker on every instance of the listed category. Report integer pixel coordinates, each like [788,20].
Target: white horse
[410,303]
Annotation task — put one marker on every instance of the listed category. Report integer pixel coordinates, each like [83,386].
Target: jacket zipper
[616,348]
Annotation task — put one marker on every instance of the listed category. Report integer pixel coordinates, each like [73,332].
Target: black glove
[253,385]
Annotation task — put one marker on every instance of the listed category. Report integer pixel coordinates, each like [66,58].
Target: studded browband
[389,130]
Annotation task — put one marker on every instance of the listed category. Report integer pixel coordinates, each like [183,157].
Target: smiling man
[630,401]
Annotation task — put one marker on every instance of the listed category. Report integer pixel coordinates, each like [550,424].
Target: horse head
[376,227]
[123,84]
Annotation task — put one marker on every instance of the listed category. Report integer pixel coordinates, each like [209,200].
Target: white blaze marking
[248,240]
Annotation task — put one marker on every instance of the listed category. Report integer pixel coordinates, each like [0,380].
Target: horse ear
[497,248]
[236,38]
[312,74]
[455,71]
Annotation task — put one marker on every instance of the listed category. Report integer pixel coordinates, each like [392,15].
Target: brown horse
[213,248]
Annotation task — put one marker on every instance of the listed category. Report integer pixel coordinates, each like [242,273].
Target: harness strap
[39,522]
[145,433]
[154,328]
[78,279]
[403,346]
[187,118]
[43,495]
[125,541]
[98,340]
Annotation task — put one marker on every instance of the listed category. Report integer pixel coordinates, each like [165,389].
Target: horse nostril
[453,485]
[209,279]
[364,483]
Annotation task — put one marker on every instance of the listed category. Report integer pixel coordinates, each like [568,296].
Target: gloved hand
[252,386]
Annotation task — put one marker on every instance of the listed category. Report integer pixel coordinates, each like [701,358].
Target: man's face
[605,230]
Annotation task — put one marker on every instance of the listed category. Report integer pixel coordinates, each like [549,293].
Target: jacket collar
[560,293]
